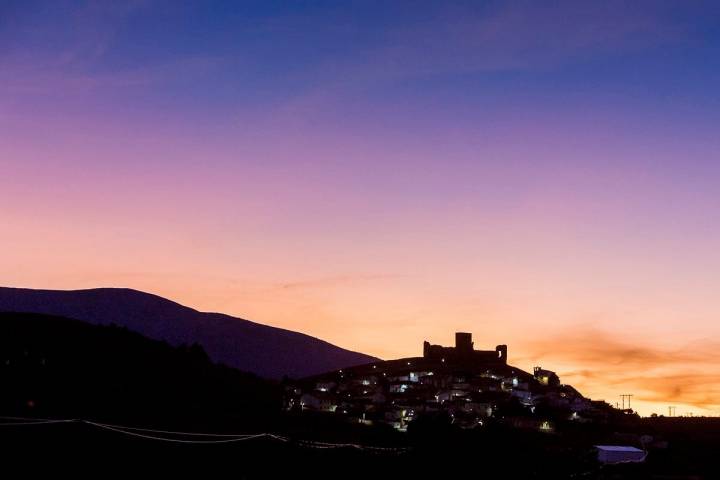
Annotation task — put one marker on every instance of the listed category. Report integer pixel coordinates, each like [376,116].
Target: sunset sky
[542,174]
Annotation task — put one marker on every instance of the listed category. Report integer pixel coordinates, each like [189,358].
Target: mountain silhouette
[252,347]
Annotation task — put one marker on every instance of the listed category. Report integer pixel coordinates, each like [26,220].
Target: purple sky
[379,173]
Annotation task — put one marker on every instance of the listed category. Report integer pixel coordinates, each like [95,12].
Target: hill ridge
[266,350]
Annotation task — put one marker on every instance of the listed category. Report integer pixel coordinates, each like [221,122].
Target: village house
[470,385]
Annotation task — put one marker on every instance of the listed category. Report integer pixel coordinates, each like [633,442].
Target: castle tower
[463,342]
[502,353]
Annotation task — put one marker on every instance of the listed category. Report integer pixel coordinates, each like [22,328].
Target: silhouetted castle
[471,386]
[464,351]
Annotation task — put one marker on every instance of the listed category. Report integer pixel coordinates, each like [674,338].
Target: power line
[218,437]
[175,440]
[32,419]
[20,421]
[39,422]
[171,432]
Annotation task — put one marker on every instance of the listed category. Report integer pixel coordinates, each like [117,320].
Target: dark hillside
[57,367]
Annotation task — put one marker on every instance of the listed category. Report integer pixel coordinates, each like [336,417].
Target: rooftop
[617,448]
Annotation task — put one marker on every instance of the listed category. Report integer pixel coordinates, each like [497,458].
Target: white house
[619,454]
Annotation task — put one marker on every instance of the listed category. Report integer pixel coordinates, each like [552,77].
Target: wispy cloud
[70,58]
[593,346]
[38,79]
[522,35]
[336,281]
[512,36]
[689,374]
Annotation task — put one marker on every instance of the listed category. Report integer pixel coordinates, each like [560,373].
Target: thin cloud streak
[525,36]
[340,280]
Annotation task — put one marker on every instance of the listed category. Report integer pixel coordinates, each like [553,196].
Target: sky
[376,174]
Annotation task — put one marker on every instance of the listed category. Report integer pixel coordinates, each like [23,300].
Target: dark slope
[267,351]
[58,367]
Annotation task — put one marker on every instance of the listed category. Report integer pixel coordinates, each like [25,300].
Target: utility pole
[628,396]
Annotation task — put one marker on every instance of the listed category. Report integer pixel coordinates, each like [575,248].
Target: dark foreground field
[79,448]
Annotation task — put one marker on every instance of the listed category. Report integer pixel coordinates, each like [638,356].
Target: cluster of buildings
[470,386]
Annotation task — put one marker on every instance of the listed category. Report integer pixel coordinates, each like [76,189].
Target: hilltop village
[470,386]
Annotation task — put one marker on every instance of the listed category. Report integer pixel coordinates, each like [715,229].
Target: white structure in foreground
[620,454]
